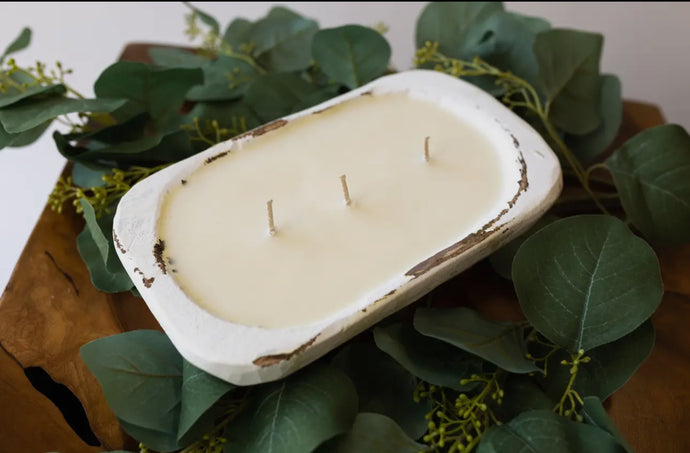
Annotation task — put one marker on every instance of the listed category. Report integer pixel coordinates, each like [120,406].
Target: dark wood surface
[50,309]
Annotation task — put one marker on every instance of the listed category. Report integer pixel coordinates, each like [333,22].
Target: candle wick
[271,225]
[426,148]
[346,192]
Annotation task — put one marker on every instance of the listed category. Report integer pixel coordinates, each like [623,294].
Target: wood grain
[50,309]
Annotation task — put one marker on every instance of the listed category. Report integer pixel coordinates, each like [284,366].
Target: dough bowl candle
[262,253]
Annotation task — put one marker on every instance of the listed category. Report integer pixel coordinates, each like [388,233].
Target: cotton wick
[346,192]
[271,225]
[426,148]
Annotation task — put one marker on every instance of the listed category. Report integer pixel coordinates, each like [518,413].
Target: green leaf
[588,147]
[610,367]
[276,95]
[431,360]
[652,174]
[295,414]
[205,18]
[521,394]
[23,138]
[147,151]
[451,24]
[594,413]
[21,42]
[201,393]
[158,91]
[500,343]
[383,386]
[171,57]
[283,41]
[141,376]
[13,95]
[502,259]
[29,114]
[98,252]
[86,177]
[237,32]
[157,440]
[372,433]
[351,55]
[543,431]
[5,137]
[317,97]
[587,280]
[510,43]
[569,74]
[225,78]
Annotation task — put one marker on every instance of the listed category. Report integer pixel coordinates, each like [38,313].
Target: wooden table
[50,308]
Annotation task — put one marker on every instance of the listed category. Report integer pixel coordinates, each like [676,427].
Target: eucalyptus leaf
[157,440]
[21,42]
[171,57]
[237,32]
[13,95]
[98,252]
[451,23]
[510,43]
[85,177]
[502,259]
[147,151]
[569,74]
[283,12]
[141,375]
[351,55]
[225,78]
[502,344]
[383,386]
[129,130]
[588,147]
[431,360]
[201,394]
[594,413]
[205,18]
[322,94]
[652,174]
[372,433]
[610,366]
[158,91]
[276,95]
[586,280]
[5,137]
[30,114]
[27,137]
[283,41]
[542,431]
[295,414]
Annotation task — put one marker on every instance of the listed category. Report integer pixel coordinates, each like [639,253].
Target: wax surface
[326,256]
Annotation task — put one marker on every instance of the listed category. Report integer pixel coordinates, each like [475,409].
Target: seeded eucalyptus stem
[117,183]
[518,94]
[568,403]
[460,424]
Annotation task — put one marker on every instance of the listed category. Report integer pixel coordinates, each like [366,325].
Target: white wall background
[647,46]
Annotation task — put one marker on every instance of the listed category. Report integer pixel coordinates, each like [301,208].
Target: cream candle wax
[327,256]
[376,198]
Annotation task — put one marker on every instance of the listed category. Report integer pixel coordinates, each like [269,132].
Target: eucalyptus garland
[450,380]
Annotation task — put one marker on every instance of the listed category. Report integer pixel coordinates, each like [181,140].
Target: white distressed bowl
[246,355]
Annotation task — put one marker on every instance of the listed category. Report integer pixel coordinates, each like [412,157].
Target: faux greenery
[450,380]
